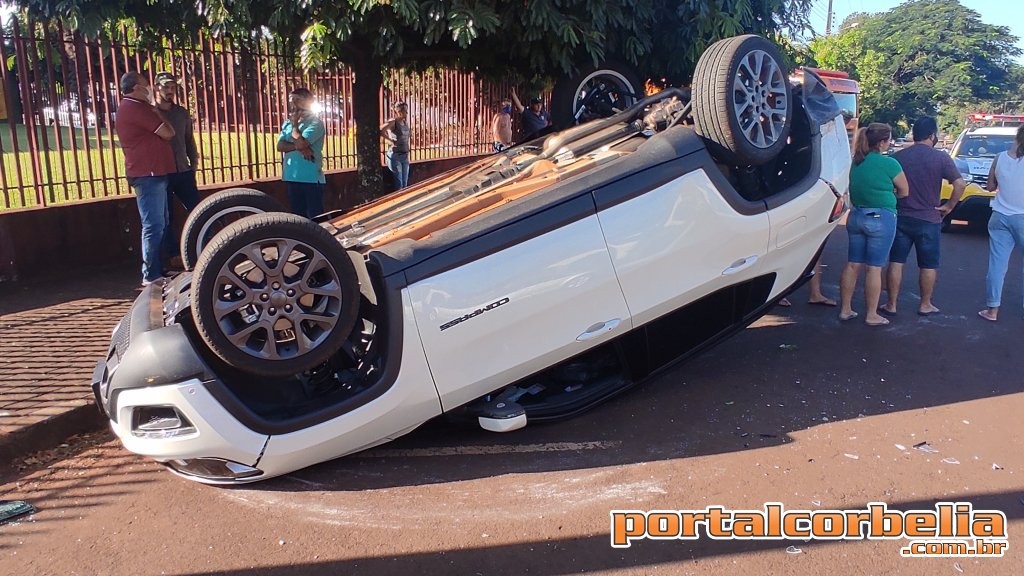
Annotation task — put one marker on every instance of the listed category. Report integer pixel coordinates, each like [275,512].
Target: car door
[547,294]
[681,240]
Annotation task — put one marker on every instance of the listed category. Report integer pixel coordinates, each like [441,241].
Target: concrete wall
[60,240]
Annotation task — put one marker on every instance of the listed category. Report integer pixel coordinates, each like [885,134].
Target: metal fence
[59,106]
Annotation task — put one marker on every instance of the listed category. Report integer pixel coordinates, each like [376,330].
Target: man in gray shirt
[186,158]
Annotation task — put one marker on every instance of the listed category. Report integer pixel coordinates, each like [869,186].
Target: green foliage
[924,57]
[527,40]
[531,38]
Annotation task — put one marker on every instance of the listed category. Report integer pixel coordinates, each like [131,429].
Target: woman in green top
[875,183]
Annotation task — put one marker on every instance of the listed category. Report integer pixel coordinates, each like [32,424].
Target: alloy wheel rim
[759,95]
[277,299]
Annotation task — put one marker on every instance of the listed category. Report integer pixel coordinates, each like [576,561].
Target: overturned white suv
[525,286]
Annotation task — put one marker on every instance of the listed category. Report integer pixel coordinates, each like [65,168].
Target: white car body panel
[679,242]
[217,431]
[798,228]
[835,155]
[545,280]
[411,401]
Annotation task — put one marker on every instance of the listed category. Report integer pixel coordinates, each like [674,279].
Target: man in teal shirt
[302,141]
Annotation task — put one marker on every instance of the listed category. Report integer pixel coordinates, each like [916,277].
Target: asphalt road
[799,409]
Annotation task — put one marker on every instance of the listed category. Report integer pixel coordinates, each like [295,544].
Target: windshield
[983,145]
[847,103]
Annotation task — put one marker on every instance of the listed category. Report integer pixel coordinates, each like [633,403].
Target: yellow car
[973,153]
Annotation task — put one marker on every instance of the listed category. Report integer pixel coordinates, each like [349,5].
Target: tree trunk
[366,109]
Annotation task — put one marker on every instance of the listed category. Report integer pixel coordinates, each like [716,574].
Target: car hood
[974,165]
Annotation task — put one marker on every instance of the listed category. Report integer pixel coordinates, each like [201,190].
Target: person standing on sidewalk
[919,220]
[396,131]
[1006,225]
[145,136]
[302,141]
[181,183]
[534,120]
[501,126]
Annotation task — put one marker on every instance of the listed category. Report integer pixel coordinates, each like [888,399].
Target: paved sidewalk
[51,336]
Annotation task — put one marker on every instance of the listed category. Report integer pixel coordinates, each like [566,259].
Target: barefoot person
[1006,226]
[875,183]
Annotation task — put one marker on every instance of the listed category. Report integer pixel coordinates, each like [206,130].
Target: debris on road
[900,446]
[925,447]
[793,550]
[950,460]
[996,466]
[852,456]
[14,508]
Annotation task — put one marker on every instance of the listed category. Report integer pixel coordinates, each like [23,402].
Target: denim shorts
[871,231]
[922,235]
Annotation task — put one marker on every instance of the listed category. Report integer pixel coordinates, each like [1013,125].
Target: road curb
[49,433]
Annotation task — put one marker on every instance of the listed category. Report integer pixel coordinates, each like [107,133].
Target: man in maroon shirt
[920,215]
[145,137]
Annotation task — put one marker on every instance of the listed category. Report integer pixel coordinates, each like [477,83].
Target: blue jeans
[398,163]
[182,185]
[922,235]
[871,231]
[1004,232]
[306,198]
[151,196]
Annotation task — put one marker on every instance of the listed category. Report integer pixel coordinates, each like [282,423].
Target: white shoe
[159,280]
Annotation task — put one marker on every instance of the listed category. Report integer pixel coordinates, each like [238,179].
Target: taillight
[837,210]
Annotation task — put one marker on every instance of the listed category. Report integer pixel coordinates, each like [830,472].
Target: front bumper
[165,402]
[972,209]
[156,391]
[974,203]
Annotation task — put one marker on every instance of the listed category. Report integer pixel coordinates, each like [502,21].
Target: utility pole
[828,20]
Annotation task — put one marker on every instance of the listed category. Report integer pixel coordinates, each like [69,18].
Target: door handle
[598,329]
[740,265]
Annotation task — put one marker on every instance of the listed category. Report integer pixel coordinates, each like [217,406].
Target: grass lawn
[84,164]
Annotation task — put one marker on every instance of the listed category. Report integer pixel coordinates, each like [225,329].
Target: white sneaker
[159,280]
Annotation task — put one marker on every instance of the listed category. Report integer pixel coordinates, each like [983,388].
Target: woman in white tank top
[1006,226]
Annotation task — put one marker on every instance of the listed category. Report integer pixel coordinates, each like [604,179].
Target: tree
[531,39]
[924,57]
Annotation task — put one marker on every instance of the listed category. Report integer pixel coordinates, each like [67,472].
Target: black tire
[618,87]
[251,314]
[214,213]
[745,126]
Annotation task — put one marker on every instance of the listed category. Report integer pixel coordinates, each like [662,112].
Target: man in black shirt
[534,121]
[181,183]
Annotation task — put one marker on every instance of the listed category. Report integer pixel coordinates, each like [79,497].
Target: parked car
[973,153]
[525,286]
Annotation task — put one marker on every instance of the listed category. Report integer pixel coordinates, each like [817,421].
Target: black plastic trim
[625,190]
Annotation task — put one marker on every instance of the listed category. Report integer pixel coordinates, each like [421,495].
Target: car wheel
[742,100]
[214,213]
[274,295]
[593,93]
